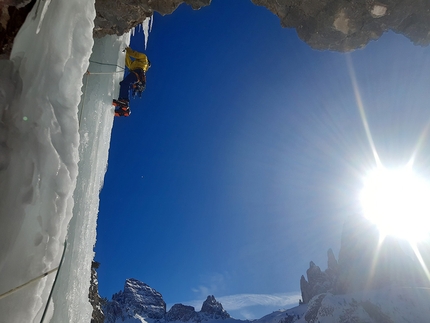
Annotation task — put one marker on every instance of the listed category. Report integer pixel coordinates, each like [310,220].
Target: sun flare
[398,202]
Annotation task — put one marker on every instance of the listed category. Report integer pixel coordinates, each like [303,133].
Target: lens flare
[398,202]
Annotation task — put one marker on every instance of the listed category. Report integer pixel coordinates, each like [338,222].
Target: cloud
[214,283]
[240,301]
[252,306]
[202,291]
[240,306]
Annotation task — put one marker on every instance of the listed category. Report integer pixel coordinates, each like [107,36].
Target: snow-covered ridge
[139,302]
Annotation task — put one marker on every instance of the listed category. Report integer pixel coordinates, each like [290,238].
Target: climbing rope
[55,281]
[91,73]
[86,82]
[14,290]
[108,64]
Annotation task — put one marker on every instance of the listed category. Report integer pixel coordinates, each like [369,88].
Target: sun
[398,202]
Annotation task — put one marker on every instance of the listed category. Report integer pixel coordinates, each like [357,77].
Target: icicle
[152,21]
[146,29]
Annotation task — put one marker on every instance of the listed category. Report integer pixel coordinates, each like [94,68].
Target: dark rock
[182,313]
[118,17]
[95,299]
[368,262]
[136,298]
[339,25]
[12,16]
[344,25]
[313,308]
[139,299]
[319,282]
[213,309]
[359,244]
[306,293]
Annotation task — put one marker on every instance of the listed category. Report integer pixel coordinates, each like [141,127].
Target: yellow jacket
[140,60]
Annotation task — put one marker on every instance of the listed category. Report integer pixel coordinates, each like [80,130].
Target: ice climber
[136,80]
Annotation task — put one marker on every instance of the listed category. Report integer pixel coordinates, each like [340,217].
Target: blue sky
[246,152]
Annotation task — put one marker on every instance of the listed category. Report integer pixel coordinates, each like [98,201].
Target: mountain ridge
[139,301]
[373,281]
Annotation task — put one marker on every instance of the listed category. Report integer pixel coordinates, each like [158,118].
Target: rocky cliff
[318,281]
[344,25]
[138,302]
[366,263]
[118,17]
[375,280]
[94,297]
[340,25]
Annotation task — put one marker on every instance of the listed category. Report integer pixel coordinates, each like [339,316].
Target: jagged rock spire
[213,308]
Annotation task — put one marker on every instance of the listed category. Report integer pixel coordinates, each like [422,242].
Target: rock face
[375,280]
[12,16]
[212,309]
[118,17]
[95,299]
[319,282]
[383,306]
[137,298]
[140,302]
[344,25]
[366,263]
[339,25]
[182,313]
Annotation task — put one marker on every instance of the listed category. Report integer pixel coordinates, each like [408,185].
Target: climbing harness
[139,86]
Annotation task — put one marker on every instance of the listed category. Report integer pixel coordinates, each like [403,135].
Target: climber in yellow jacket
[135,79]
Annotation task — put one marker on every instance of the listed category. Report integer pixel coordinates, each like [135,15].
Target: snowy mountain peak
[145,295]
[182,313]
[139,302]
[214,309]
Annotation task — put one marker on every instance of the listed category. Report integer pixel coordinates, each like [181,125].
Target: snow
[393,303]
[44,133]
[53,157]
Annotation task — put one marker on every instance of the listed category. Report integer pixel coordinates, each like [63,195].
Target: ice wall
[40,131]
[96,120]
